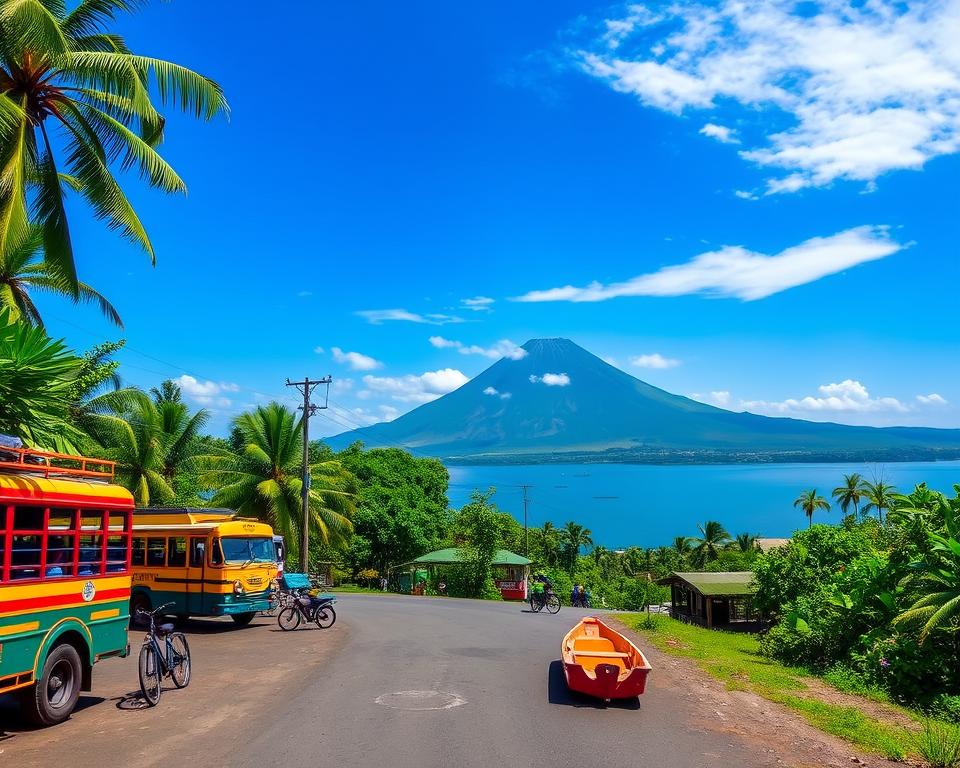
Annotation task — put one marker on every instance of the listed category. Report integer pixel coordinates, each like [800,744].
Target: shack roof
[719,584]
[452,556]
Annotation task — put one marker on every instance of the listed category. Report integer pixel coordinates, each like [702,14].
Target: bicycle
[302,607]
[547,599]
[172,661]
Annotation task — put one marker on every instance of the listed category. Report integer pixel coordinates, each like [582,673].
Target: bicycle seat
[165,629]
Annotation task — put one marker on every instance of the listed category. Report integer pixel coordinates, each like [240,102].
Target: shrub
[939,744]
[946,707]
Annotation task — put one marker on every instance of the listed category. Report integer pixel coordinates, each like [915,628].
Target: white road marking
[420,701]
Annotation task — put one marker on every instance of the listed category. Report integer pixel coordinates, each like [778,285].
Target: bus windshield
[247,550]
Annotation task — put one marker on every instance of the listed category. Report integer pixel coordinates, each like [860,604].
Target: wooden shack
[721,600]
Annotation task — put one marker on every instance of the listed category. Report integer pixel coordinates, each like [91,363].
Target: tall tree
[810,502]
[574,537]
[705,547]
[23,272]
[879,496]
[682,547]
[263,478]
[746,542]
[850,493]
[180,429]
[75,103]
[479,527]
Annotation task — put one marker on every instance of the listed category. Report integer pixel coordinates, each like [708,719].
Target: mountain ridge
[559,401]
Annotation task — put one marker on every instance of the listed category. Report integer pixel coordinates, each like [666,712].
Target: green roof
[719,584]
[453,555]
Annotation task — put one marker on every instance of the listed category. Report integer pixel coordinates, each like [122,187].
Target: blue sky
[757,207]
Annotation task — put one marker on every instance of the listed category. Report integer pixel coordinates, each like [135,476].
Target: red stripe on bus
[52,601]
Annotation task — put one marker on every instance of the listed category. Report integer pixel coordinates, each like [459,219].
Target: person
[575,596]
[442,587]
[536,592]
[584,597]
[383,583]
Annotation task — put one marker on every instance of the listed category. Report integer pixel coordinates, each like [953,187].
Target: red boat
[599,661]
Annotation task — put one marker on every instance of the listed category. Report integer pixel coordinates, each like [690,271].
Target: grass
[939,743]
[354,588]
[735,660]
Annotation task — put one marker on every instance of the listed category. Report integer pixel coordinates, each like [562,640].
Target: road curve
[496,697]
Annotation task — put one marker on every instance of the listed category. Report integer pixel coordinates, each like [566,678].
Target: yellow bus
[64,575]
[208,562]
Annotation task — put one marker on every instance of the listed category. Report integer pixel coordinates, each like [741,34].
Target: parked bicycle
[547,599]
[304,607]
[164,653]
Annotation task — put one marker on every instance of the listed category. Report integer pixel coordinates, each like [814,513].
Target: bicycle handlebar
[155,611]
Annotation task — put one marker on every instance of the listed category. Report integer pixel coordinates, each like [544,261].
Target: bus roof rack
[185,511]
[15,457]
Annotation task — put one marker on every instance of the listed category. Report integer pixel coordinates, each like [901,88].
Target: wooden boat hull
[599,661]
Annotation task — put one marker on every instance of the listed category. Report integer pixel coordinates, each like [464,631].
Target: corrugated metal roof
[453,555]
[720,584]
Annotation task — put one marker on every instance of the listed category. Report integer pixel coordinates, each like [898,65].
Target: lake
[648,505]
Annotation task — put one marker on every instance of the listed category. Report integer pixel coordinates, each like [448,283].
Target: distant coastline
[705,457]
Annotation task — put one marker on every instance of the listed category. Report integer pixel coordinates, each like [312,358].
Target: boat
[600,662]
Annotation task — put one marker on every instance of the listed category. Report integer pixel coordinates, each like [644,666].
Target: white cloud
[319,350]
[721,133]
[206,392]
[494,392]
[849,398]
[364,417]
[734,271]
[478,303]
[744,194]
[412,388]
[503,348]
[551,379]
[379,316]
[656,360]
[862,89]
[355,360]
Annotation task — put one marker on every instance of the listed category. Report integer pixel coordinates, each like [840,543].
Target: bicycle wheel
[180,661]
[150,674]
[536,604]
[289,618]
[325,617]
[553,604]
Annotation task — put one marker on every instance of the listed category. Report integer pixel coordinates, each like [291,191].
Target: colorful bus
[64,576]
[208,562]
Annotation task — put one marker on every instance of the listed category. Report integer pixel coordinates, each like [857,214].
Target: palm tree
[879,496]
[575,537]
[263,479]
[682,548]
[63,70]
[22,271]
[850,493]
[939,579]
[599,554]
[135,439]
[713,537]
[180,428]
[810,502]
[746,542]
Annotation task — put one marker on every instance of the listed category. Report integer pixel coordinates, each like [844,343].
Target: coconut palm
[713,537]
[23,272]
[180,429]
[746,542]
[879,496]
[263,479]
[682,548]
[938,578]
[849,493]
[75,103]
[810,502]
[574,537]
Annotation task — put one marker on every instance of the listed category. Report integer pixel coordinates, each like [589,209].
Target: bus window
[197,547]
[3,552]
[91,520]
[25,556]
[177,552]
[216,556]
[91,555]
[28,519]
[59,557]
[139,552]
[62,520]
[156,554]
[116,553]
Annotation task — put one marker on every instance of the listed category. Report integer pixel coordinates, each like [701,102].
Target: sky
[750,203]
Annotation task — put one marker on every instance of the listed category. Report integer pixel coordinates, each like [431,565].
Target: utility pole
[526,533]
[306,388]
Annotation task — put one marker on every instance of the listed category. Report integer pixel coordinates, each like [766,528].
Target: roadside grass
[735,660]
[351,588]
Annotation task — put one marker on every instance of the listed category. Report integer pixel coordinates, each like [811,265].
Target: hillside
[510,413]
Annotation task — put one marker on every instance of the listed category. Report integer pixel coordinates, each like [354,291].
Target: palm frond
[31,25]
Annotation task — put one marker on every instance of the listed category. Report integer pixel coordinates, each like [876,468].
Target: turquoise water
[643,505]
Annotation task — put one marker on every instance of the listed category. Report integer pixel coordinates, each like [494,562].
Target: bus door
[196,571]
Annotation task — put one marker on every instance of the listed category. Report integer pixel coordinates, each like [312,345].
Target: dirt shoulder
[239,674]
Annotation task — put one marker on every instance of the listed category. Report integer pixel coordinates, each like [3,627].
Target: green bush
[946,707]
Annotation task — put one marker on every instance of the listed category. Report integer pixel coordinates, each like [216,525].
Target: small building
[766,543]
[721,600]
[510,570]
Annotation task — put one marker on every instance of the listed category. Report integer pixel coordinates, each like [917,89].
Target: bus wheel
[55,694]
[139,602]
[242,618]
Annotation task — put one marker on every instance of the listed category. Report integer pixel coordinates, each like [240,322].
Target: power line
[306,388]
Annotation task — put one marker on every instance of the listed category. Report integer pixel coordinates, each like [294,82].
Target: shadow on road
[12,723]
[559,693]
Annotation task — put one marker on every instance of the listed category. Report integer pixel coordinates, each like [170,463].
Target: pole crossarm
[306,388]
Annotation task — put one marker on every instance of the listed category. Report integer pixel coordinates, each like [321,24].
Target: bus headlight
[238,587]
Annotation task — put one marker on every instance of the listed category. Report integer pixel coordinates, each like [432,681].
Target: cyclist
[538,590]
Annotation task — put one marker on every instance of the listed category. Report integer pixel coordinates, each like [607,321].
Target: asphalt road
[492,693]
[398,682]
